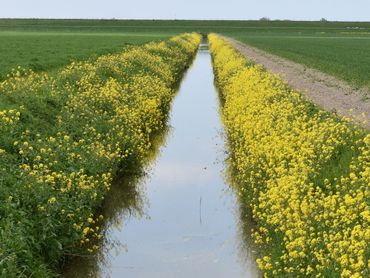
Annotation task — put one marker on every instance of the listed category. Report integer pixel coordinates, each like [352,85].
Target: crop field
[343,55]
[304,173]
[84,101]
[45,51]
[336,48]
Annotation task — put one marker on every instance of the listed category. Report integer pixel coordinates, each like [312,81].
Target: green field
[175,26]
[344,56]
[338,48]
[48,50]
[66,134]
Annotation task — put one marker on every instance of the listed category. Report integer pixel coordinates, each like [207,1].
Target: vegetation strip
[304,173]
[324,90]
[342,54]
[64,137]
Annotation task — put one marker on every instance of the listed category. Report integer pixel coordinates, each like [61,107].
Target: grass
[49,50]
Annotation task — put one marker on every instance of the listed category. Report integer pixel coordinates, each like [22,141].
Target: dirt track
[324,90]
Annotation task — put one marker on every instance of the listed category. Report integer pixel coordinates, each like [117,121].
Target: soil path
[324,90]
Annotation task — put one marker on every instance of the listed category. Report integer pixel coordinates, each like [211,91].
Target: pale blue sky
[344,10]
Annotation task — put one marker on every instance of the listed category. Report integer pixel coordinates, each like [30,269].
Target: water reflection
[248,250]
[126,199]
[182,219]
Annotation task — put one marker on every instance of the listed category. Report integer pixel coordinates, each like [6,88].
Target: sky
[335,10]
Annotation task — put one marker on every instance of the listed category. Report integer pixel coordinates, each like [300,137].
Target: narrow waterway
[182,220]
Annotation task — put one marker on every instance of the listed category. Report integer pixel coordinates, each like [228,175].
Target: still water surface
[181,220]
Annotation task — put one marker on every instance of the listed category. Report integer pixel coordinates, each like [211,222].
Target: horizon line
[263,19]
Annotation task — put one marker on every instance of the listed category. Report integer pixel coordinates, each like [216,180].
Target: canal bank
[184,219]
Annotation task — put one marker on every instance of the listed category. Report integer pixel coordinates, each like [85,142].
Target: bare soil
[324,90]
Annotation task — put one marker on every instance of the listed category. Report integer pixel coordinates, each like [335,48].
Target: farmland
[46,51]
[83,102]
[345,56]
[336,48]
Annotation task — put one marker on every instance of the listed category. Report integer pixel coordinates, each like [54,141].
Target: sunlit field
[141,148]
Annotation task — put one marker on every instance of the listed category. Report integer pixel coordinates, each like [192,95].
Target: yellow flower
[285,153]
[85,231]
[52,200]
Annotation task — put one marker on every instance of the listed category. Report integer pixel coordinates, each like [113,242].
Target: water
[181,220]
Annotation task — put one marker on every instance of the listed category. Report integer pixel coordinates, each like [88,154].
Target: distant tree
[323,20]
[264,19]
